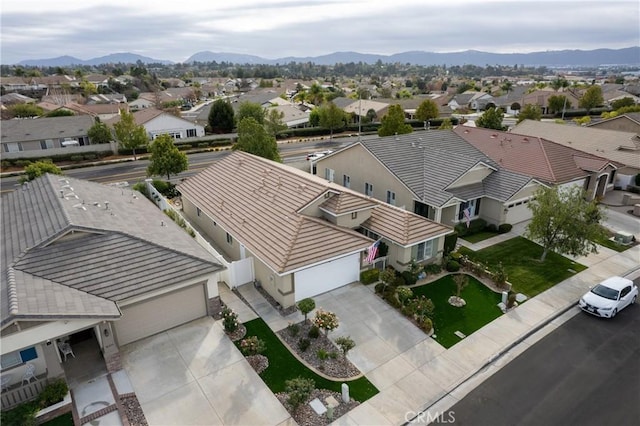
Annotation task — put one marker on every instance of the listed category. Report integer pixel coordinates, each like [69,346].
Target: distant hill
[556,58]
[114,58]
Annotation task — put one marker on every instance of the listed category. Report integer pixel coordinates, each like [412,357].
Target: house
[478,101]
[142,103]
[103,112]
[540,98]
[44,133]
[621,147]
[629,122]
[360,107]
[158,122]
[293,117]
[510,102]
[91,262]
[300,235]
[546,161]
[435,174]
[16,98]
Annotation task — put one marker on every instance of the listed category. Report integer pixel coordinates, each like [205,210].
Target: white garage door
[518,214]
[150,317]
[327,276]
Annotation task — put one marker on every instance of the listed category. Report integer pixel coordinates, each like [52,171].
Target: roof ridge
[12,291]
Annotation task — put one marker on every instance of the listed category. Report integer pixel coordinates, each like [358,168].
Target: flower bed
[305,416]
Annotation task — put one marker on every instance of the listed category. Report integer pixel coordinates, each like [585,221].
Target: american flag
[372,251]
[467,215]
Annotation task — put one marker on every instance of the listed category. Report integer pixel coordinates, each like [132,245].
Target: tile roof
[621,147]
[18,130]
[129,249]
[540,158]
[261,204]
[346,202]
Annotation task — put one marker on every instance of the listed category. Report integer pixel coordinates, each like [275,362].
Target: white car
[316,155]
[609,297]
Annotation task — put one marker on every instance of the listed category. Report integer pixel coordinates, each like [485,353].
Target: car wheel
[613,314]
[633,300]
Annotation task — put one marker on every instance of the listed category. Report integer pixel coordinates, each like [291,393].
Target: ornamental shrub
[504,228]
[303,344]
[306,305]
[252,346]
[369,276]
[314,332]
[299,390]
[345,343]
[328,321]
[432,268]
[477,225]
[453,266]
[229,320]
[293,329]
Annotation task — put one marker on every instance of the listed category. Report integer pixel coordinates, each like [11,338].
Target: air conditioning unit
[623,237]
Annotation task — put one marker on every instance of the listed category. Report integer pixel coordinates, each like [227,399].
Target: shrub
[303,344]
[637,179]
[432,268]
[203,145]
[420,307]
[426,325]
[77,157]
[326,320]
[450,242]
[461,229]
[167,189]
[299,390]
[306,305]
[500,275]
[379,288]
[369,276]
[477,225]
[293,329]
[492,227]
[456,256]
[404,294]
[409,278]
[322,354]
[229,320]
[23,163]
[90,157]
[314,332]
[53,393]
[184,147]
[5,164]
[252,346]
[333,354]
[504,228]
[453,266]
[392,299]
[345,343]
[398,281]
[22,415]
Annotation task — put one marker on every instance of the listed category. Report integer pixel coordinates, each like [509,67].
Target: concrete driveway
[194,375]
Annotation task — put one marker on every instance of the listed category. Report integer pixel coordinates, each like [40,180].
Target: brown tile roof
[345,202]
[259,202]
[141,117]
[537,157]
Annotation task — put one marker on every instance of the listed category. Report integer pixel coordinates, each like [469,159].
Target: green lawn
[63,420]
[520,258]
[481,308]
[284,366]
[480,236]
[606,242]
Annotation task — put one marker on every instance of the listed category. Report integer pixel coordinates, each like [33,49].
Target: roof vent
[80,206]
[525,139]
[467,131]
[494,135]
[106,205]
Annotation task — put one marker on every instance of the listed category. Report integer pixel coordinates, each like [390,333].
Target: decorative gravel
[258,362]
[240,332]
[338,367]
[305,416]
[133,410]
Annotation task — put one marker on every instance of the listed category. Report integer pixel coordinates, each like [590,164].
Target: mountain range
[553,58]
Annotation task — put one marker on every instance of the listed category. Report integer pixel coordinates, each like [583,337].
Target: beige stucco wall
[279,287]
[448,216]
[473,176]
[400,257]
[213,230]
[346,220]
[492,211]
[357,163]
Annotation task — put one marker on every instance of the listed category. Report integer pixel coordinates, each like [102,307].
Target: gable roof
[128,249]
[532,156]
[19,130]
[621,147]
[260,203]
[418,159]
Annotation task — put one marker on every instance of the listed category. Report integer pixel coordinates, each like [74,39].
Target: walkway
[100,400]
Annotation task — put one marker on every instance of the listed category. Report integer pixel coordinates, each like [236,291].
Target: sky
[175,30]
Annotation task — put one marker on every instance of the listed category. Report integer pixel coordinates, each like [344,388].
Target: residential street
[586,372]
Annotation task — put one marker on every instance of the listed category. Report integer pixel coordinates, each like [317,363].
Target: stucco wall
[472,176]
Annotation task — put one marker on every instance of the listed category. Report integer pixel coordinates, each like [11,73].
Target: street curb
[508,348]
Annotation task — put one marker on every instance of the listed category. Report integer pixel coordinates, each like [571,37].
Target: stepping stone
[460,334]
[331,402]
[521,297]
[318,406]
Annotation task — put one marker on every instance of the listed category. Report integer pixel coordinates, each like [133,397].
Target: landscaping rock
[306,416]
[258,362]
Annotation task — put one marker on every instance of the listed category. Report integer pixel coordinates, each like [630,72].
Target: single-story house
[621,147]
[300,235]
[544,160]
[44,133]
[85,259]
[435,174]
[629,122]
[540,98]
[158,122]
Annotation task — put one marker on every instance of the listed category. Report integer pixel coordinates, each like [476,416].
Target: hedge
[369,276]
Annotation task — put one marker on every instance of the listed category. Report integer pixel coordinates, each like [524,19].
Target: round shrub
[426,324]
[453,266]
[432,268]
[409,278]
[492,227]
[392,299]
[314,332]
[379,288]
[504,228]
[369,276]
[303,344]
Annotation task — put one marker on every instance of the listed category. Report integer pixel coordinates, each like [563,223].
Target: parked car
[609,297]
[314,156]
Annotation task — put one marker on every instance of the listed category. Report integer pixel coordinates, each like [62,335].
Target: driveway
[194,375]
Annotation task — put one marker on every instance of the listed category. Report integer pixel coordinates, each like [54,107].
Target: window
[368,189]
[19,357]
[346,181]
[13,147]
[229,238]
[625,291]
[47,144]
[197,211]
[191,133]
[472,205]
[354,215]
[391,198]
[423,251]
[329,174]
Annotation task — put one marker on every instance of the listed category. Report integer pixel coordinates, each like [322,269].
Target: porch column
[438,215]
[52,359]
[110,350]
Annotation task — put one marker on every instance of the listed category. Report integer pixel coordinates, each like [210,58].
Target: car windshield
[606,292]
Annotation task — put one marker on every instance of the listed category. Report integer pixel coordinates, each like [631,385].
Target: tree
[25,110]
[371,115]
[166,158]
[564,221]
[387,277]
[507,86]
[461,280]
[591,98]
[446,124]
[99,133]
[60,112]
[331,117]
[393,122]
[273,121]
[556,103]
[427,110]
[221,117]
[491,119]
[254,139]
[250,109]
[314,117]
[129,134]
[345,343]
[298,390]
[530,112]
[559,83]
[621,103]
[37,169]
[306,305]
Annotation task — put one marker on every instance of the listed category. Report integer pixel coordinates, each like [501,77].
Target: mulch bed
[240,332]
[258,362]
[306,416]
[133,410]
[337,367]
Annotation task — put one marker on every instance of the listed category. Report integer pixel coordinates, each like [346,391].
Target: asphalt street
[586,372]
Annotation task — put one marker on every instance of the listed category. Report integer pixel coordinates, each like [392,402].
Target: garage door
[327,276]
[159,314]
[518,213]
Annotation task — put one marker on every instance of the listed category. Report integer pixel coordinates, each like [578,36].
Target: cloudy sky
[175,30]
